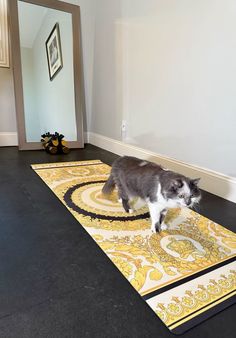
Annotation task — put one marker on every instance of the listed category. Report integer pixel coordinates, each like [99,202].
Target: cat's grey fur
[160,188]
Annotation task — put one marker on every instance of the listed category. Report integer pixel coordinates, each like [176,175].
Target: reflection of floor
[55,281]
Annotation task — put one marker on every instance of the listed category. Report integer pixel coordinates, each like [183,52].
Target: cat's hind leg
[123,197]
[126,206]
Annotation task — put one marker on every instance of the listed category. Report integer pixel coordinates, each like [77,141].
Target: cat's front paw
[155,227]
[163,227]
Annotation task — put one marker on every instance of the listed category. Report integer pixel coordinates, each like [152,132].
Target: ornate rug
[185,274]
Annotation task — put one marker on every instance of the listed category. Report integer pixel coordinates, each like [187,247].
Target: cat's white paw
[131,211]
[120,200]
[153,228]
[163,227]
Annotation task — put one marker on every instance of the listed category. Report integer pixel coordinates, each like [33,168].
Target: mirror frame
[17,71]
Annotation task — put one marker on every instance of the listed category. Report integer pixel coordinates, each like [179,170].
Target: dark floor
[54,279]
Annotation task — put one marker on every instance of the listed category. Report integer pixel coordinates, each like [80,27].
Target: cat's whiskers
[196,206]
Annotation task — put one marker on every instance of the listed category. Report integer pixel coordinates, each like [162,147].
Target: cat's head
[182,190]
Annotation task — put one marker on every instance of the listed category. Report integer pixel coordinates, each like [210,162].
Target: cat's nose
[188,201]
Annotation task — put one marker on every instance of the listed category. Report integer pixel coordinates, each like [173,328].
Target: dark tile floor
[54,279]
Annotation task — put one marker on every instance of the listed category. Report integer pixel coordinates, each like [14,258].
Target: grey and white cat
[160,188]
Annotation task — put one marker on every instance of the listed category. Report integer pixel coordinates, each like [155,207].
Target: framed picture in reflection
[54,54]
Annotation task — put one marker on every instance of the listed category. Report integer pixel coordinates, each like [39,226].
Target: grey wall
[108,87]
[7,101]
[168,68]
[87,14]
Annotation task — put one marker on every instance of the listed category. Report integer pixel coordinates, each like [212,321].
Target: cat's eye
[181,196]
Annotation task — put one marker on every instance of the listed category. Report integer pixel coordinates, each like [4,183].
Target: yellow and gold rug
[185,274]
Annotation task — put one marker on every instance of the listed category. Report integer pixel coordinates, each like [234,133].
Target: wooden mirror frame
[17,70]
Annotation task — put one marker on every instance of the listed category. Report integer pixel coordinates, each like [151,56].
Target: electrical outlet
[123,126]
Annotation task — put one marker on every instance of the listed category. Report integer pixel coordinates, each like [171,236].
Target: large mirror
[47,65]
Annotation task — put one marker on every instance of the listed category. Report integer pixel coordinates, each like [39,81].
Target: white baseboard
[8,139]
[211,181]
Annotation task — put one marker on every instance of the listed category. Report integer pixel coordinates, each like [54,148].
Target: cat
[158,187]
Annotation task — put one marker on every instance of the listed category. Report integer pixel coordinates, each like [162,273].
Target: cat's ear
[195,181]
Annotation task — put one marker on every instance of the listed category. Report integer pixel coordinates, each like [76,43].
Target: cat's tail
[108,186]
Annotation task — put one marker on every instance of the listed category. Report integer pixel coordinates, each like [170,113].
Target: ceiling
[30,20]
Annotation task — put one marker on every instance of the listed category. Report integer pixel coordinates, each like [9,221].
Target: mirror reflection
[46,44]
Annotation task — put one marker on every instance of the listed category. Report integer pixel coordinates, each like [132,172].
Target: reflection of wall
[32,121]
[54,99]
